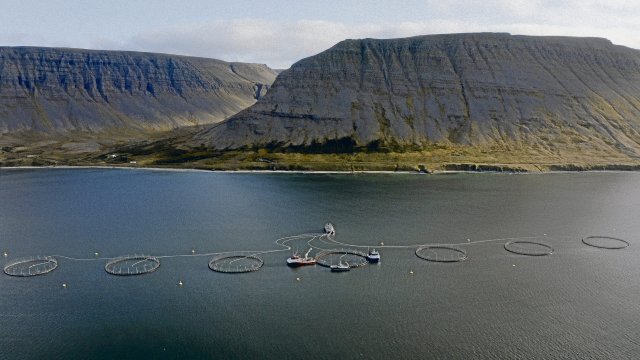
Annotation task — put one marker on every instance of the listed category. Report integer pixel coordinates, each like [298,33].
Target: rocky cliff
[482,90]
[57,91]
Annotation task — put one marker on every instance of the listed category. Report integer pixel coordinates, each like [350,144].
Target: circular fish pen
[353,258]
[31,266]
[441,253]
[235,264]
[605,242]
[528,248]
[132,265]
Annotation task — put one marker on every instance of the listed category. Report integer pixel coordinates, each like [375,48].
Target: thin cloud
[279,42]
[279,45]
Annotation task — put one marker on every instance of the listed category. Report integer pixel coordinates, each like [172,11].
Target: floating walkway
[31,266]
[235,264]
[357,258]
[605,242]
[448,254]
[132,265]
[528,248]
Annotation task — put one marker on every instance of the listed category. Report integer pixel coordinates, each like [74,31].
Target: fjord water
[580,302]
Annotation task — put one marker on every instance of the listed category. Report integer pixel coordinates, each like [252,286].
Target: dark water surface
[578,303]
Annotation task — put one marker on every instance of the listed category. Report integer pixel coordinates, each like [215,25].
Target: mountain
[58,91]
[545,95]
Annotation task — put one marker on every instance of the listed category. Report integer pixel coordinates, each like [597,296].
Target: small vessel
[374,256]
[297,260]
[342,266]
[329,229]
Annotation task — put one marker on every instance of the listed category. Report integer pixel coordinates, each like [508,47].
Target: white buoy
[468,239]
[297,279]
[193,251]
[96,253]
[513,264]
[64,285]
[180,283]
[411,272]
[381,243]
[5,254]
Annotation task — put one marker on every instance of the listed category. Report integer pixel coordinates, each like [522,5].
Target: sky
[279,32]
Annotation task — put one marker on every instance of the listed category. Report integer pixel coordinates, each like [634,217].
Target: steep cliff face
[471,89]
[56,91]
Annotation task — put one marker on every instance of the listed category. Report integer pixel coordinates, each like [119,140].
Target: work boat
[341,267]
[374,256]
[329,229]
[297,260]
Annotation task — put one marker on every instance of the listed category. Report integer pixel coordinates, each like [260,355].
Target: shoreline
[337,172]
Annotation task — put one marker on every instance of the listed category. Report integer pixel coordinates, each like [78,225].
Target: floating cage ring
[132,265]
[322,258]
[236,264]
[31,266]
[424,252]
[543,249]
[600,242]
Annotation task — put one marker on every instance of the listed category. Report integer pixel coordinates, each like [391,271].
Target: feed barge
[329,229]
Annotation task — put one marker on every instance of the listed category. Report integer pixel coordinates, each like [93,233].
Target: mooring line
[442,244]
[323,239]
[281,242]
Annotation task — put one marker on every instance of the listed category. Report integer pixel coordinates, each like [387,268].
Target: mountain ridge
[547,94]
[54,91]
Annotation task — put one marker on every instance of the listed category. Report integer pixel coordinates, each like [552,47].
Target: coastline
[571,170]
[435,159]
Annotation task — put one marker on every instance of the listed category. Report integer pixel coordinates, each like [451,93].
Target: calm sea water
[578,303]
